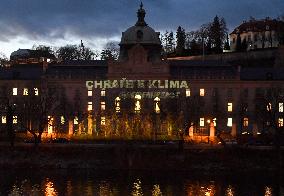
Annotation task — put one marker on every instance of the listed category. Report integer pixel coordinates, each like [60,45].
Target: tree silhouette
[217,34]
[180,37]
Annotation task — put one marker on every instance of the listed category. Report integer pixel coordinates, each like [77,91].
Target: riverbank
[138,157]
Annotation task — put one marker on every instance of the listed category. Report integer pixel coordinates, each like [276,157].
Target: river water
[112,183]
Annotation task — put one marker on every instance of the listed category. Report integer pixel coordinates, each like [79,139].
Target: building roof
[80,63]
[259,26]
[27,53]
[204,72]
[197,63]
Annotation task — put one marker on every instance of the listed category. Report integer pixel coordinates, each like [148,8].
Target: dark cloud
[91,19]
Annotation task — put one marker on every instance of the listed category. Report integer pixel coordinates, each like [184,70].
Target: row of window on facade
[137,105]
[245,121]
[245,93]
[257,37]
[26,91]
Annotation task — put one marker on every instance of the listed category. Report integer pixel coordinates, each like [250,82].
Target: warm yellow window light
[215,122]
[281,107]
[230,107]
[15,91]
[230,122]
[157,105]
[26,91]
[117,104]
[76,120]
[245,122]
[62,120]
[201,122]
[4,120]
[103,93]
[90,106]
[187,92]
[50,125]
[15,119]
[36,91]
[280,122]
[269,107]
[103,120]
[137,108]
[103,106]
[90,93]
[202,92]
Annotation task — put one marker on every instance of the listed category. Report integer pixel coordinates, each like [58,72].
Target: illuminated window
[90,106]
[15,91]
[215,122]
[230,122]
[76,120]
[62,120]
[201,122]
[15,119]
[230,107]
[50,125]
[202,92]
[157,105]
[245,122]
[36,91]
[268,107]
[103,106]
[280,107]
[26,91]
[103,120]
[187,92]
[90,93]
[4,120]
[280,122]
[137,108]
[117,104]
[103,93]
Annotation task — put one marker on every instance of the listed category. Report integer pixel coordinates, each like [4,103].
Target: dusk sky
[24,23]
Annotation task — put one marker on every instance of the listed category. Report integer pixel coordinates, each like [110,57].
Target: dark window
[249,38]
[230,92]
[244,107]
[139,35]
[269,76]
[255,37]
[214,92]
[245,93]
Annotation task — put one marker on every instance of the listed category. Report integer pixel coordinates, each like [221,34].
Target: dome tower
[143,35]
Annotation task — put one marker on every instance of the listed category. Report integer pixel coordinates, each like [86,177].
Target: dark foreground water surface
[111,183]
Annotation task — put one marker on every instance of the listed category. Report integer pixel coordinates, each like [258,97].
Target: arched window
[137,107]
[157,105]
[117,104]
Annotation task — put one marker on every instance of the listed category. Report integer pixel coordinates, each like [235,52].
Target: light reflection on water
[170,184]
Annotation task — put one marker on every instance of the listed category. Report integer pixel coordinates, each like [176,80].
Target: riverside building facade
[142,95]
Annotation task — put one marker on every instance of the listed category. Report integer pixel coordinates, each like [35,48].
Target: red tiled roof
[259,26]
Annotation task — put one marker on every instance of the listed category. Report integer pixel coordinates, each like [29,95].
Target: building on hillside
[143,96]
[27,56]
[258,34]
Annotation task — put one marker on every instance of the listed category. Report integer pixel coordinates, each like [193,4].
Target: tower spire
[141,15]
